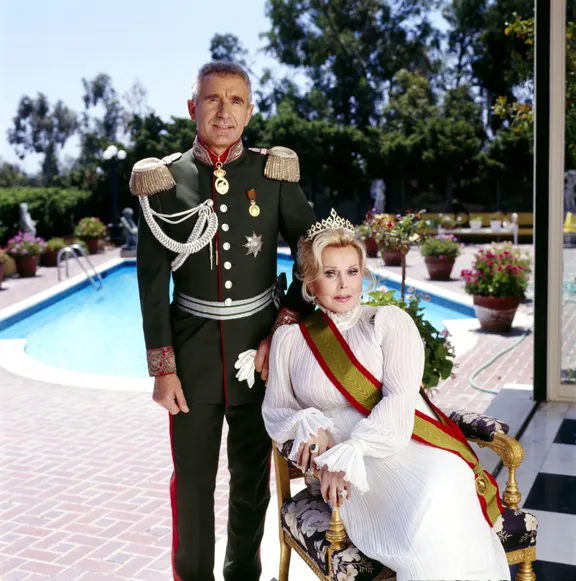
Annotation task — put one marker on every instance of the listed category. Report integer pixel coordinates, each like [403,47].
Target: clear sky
[50,45]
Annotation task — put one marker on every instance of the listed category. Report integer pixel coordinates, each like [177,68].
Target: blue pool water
[100,332]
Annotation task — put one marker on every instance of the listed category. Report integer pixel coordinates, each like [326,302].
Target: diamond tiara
[333,222]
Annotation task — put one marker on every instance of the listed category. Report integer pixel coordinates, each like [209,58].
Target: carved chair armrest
[478,426]
[511,453]
[336,533]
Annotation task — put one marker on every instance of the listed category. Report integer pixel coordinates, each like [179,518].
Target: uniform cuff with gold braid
[161,361]
[286,317]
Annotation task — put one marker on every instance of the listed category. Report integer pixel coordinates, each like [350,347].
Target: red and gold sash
[364,391]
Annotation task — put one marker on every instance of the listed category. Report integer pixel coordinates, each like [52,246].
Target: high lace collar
[343,320]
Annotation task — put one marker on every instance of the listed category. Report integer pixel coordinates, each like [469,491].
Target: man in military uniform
[211,218]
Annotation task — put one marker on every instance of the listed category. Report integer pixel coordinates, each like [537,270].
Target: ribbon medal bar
[254,209]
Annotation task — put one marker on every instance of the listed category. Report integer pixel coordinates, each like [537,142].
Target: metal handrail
[72,251]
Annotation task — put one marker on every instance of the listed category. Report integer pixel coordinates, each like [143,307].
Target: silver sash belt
[222,311]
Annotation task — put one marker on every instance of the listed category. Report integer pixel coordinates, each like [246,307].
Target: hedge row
[55,210]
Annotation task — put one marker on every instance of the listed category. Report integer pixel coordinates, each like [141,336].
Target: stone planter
[26,266]
[439,268]
[371,247]
[476,225]
[496,314]
[392,257]
[495,225]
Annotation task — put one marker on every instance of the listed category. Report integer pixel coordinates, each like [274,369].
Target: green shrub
[56,244]
[53,209]
[440,247]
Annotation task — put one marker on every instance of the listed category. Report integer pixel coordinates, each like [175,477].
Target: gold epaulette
[151,175]
[282,164]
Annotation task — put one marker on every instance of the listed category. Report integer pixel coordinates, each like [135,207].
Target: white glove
[245,365]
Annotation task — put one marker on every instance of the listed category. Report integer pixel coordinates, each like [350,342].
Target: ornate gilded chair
[317,533]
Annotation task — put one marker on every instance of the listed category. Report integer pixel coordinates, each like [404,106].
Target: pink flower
[499,268]
[441,257]
[491,263]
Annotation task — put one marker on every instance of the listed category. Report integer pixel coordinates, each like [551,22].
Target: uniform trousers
[195,439]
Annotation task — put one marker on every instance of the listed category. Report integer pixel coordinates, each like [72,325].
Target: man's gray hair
[221,68]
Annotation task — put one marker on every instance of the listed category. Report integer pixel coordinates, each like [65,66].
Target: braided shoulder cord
[202,234]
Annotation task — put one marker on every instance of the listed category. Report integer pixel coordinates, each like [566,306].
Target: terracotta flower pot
[392,257]
[27,266]
[371,247]
[50,257]
[439,268]
[496,314]
[93,245]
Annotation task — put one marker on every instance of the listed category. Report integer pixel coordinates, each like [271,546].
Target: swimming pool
[100,332]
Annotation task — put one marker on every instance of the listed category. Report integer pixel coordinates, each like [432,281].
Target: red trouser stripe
[174,509]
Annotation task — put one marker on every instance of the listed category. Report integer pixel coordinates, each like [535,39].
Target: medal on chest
[253,209]
[221,184]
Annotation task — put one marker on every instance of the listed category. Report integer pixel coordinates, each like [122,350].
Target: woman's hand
[334,488]
[310,450]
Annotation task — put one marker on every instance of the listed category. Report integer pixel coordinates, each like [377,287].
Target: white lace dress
[413,507]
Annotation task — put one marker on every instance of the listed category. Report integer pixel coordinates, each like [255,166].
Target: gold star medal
[254,209]
[221,184]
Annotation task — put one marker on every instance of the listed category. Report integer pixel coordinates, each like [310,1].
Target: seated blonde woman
[345,386]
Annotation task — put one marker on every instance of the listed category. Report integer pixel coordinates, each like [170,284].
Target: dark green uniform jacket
[206,349]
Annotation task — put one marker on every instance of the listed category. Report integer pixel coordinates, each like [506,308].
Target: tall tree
[351,49]
[493,65]
[466,19]
[100,91]
[227,47]
[41,128]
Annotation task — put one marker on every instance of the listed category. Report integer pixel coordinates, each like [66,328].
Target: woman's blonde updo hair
[310,255]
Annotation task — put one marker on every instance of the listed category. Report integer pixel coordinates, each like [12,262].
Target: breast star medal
[254,210]
[254,244]
[221,184]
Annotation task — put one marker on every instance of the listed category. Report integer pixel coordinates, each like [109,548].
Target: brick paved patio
[84,473]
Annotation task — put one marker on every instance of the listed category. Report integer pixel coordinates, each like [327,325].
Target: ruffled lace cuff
[347,457]
[308,423]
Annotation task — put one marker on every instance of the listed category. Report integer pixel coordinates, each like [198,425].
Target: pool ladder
[73,251]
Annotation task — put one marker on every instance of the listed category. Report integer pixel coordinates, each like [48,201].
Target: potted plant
[496,222]
[440,253]
[91,230]
[390,245]
[440,354]
[476,223]
[366,234]
[447,222]
[497,282]
[396,237]
[26,250]
[53,246]
[370,231]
